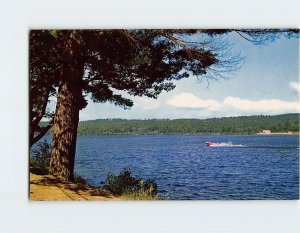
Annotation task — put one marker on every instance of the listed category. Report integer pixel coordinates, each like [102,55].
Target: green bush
[39,160]
[130,187]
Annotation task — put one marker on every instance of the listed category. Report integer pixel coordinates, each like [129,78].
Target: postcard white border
[17,214]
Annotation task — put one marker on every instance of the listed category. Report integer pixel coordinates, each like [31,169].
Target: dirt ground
[49,188]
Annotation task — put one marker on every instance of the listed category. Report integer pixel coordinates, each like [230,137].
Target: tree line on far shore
[224,125]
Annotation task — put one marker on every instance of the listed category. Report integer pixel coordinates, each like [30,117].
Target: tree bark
[69,102]
[65,134]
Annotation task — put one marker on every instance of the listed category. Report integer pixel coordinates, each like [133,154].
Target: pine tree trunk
[69,102]
[64,135]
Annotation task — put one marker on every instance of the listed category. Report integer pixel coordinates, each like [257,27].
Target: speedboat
[214,144]
[209,143]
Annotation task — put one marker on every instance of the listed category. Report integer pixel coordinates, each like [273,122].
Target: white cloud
[188,100]
[272,105]
[295,86]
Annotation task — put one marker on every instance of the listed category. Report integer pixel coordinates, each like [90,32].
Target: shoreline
[204,134]
[192,134]
[279,133]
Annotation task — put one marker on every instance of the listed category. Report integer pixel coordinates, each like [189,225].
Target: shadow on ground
[46,187]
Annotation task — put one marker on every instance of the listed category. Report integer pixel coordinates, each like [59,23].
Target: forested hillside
[225,125]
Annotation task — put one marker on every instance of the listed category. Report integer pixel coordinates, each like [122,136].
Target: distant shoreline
[279,133]
[204,134]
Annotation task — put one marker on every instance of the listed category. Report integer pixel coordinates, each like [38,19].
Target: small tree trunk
[69,102]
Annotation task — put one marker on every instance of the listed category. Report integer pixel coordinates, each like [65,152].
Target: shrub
[40,158]
[130,187]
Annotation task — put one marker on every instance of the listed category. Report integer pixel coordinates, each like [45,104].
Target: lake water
[266,167]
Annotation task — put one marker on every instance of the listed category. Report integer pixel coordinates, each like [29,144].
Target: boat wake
[223,144]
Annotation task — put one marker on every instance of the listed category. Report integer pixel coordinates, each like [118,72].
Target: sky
[267,83]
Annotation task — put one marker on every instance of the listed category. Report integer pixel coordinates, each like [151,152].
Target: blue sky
[267,83]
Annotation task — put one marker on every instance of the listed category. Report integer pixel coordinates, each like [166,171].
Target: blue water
[267,167]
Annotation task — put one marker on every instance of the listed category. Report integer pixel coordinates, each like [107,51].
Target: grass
[139,195]
[149,193]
